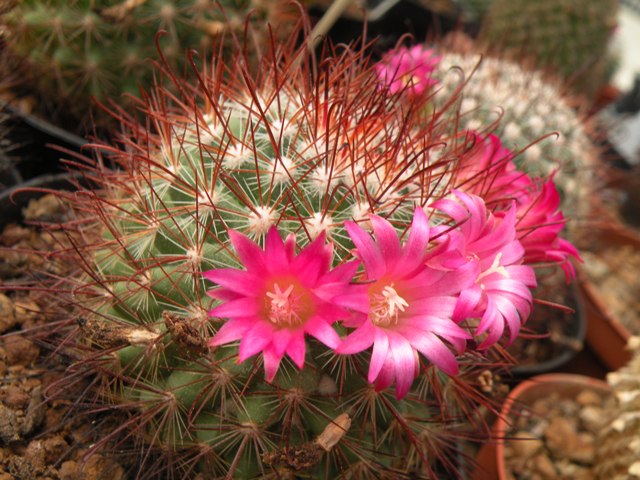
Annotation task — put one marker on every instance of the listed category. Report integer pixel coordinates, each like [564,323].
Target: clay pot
[606,335]
[491,459]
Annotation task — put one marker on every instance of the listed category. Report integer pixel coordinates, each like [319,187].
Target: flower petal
[359,340]
[379,355]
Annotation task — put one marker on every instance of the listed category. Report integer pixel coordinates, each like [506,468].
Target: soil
[556,438]
[41,436]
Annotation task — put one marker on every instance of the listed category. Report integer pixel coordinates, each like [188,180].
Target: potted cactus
[304,269]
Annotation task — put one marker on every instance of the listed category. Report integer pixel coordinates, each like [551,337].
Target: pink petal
[280,340]
[241,307]
[361,339]
[235,280]
[379,355]
[231,331]
[297,349]
[322,331]
[467,302]
[275,253]
[436,352]
[386,375]
[418,241]
[368,251]
[387,239]
[271,364]
[405,361]
[255,340]
[251,255]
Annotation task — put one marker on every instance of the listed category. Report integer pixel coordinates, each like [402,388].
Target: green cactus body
[75,50]
[569,37]
[528,113]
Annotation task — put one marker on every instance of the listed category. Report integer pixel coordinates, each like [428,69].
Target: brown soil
[41,437]
[556,438]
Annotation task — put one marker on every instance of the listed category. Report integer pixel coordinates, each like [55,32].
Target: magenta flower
[408,306]
[409,69]
[500,295]
[488,171]
[279,298]
[539,225]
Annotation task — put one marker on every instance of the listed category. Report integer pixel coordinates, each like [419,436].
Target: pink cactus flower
[489,172]
[408,68]
[540,222]
[500,295]
[279,297]
[408,306]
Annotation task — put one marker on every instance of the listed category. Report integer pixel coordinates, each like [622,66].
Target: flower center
[386,306]
[288,307]
[494,268]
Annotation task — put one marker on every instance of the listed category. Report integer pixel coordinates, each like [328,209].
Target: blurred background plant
[68,52]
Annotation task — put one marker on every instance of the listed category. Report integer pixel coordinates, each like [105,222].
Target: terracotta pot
[491,462]
[606,334]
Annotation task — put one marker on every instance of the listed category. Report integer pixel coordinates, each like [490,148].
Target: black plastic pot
[574,335]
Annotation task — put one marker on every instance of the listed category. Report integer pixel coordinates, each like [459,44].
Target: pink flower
[408,306]
[487,170]
[279,298]
[501,294]
[539,225]
[408,68]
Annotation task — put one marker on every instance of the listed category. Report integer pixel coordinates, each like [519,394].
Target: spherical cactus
[528,112]
[299,271]
[72,51]
[570,37]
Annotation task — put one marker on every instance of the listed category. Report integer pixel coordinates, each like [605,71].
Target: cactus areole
[297,271]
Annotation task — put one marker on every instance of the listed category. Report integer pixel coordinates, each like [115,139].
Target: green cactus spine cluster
[244,155]
[72,50]
[569,37]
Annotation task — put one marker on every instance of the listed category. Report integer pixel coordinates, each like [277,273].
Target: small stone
[15,397]
[8,318]
[560,435]
[69,471]
[19,350]
[593,418]
[542,464]
[583,449]
[524,445]
[589,397]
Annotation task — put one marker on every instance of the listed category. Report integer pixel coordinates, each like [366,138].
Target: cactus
[569,37]
[228,295]
[530,113]
[71,51]
[618,446]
